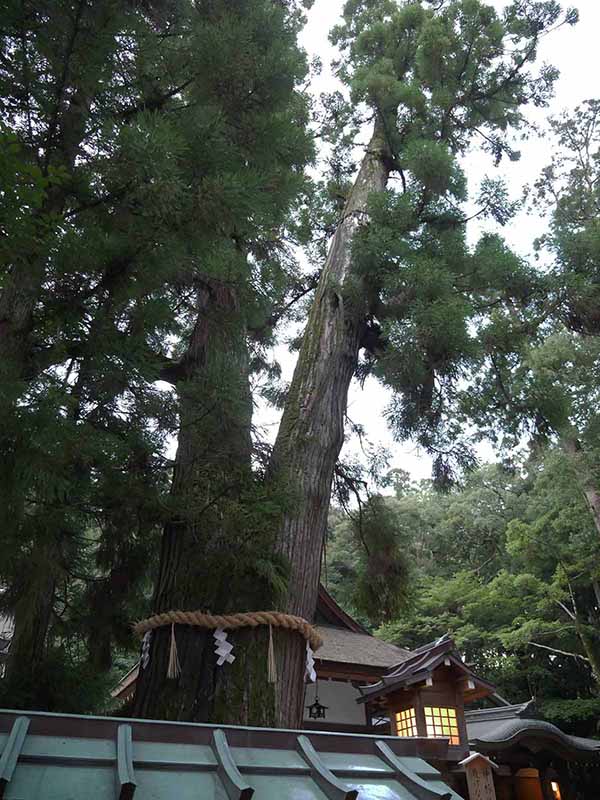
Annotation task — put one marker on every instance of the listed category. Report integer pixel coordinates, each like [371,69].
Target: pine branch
[280,312]
[567,611]
[62,84]
[155,103]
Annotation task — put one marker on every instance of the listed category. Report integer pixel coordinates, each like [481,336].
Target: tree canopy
[162,224]
[509,566]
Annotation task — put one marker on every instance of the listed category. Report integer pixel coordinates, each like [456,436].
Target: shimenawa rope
[247,619]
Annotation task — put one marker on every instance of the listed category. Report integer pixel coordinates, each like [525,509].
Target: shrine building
[380,723]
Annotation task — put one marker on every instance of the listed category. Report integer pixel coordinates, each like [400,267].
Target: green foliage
[68,684]
[149,157]
[537,373]
[570,712]
[437,81]
[431,163]
[509,566]
[382,585]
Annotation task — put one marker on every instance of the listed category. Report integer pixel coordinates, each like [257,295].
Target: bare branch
[559,652]
[567,611]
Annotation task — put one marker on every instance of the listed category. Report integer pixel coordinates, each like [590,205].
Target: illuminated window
[555,790]
[441,722]
[406,722]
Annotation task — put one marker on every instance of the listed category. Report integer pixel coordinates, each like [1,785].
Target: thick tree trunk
[213,447]
[312,428]
[213,463]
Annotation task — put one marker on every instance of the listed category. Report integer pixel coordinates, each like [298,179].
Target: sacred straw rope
[250,619]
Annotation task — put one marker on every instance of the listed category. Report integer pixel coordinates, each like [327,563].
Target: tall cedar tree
[149,154]
[433,79]
[70,97]
[540,355]
[216,550]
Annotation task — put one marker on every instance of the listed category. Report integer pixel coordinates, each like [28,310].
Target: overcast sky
[576,53]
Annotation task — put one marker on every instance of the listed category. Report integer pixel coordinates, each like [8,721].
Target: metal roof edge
[218,768]
[500,712]
[202,725]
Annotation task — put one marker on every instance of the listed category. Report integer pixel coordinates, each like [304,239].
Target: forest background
[163,226]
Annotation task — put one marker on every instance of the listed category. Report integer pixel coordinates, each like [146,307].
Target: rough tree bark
[312,427]
[304,457]
[213,460]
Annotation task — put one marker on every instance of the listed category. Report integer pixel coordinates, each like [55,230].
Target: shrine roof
[55,756]
[493,730]
[347,647]
[420,665]
[329,612]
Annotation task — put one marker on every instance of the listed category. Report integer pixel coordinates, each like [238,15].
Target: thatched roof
[348,647]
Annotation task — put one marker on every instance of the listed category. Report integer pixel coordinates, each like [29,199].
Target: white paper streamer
[271,663]
[310,663]
[174,667]
[223,648]
[146,642]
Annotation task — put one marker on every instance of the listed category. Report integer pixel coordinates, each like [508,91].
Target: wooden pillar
[480,778]
[460,718]
[419,714]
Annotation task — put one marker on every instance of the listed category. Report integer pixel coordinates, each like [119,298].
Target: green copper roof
[67,757]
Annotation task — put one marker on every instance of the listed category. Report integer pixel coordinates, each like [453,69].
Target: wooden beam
[127,783]
[12,751]
[331,787]
[235,786]
[358,672]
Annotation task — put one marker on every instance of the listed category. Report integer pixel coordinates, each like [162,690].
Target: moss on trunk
[312,428]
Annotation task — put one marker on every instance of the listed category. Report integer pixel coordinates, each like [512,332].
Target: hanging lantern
[316,710]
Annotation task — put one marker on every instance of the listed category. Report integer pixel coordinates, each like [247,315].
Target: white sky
[576,52]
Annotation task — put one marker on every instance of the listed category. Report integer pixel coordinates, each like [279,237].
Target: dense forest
[508,564]
[175,202]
